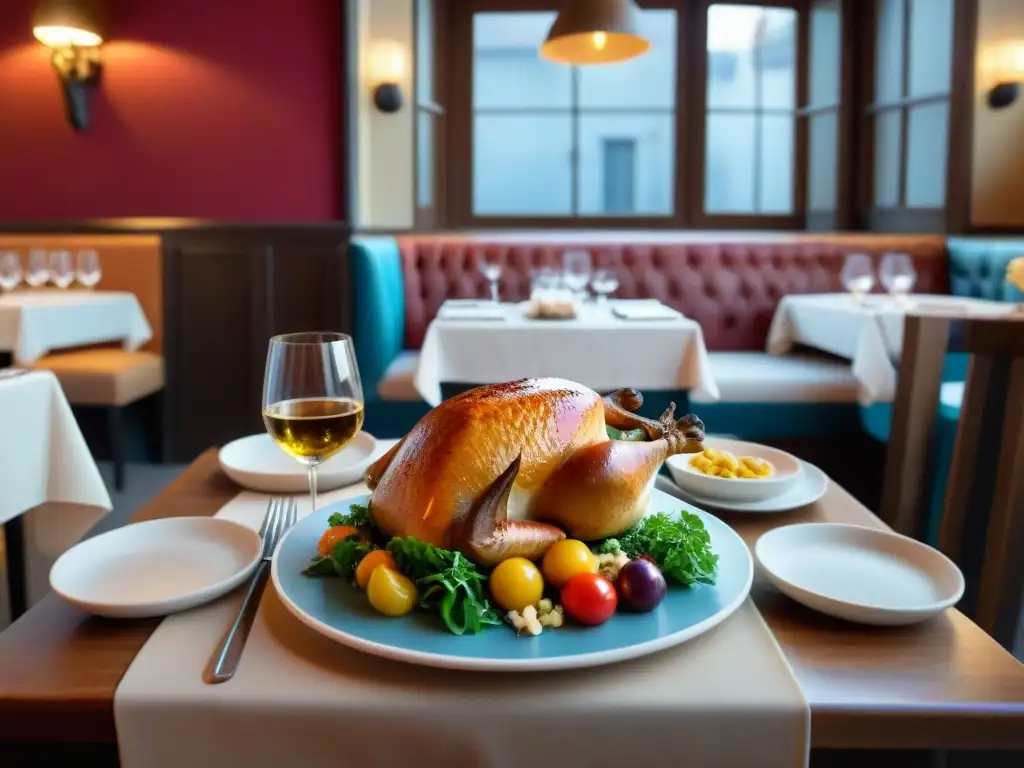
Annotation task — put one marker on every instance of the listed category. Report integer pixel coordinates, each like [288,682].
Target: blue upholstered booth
[379,331]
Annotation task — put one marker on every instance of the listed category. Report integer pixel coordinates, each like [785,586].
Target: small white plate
[860,574]
[156,567]
[787,471]
[808,488]
[256,463]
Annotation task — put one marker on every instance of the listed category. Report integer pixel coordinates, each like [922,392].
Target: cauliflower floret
[534,618]
[553,618]
[609,565]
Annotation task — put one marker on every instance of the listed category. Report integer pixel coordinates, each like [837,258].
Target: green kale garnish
[448,582]
[680,545]
[343,560]
[358,516]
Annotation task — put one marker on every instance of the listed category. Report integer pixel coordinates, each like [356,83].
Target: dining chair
[982,519]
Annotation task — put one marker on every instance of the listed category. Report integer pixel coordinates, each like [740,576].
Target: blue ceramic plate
[333,607]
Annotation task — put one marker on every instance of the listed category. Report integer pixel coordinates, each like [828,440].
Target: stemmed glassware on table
[87,268]
[10,271]
[490,267]
[576,266]
[898,276]
[38,273]
[604,282]
[858,275]
[62,271]
[312,397]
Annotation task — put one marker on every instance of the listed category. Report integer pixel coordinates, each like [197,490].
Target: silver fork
[281,515]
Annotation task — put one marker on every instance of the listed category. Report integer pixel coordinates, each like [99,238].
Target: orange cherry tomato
[332,536]
[589,598]
[371,562]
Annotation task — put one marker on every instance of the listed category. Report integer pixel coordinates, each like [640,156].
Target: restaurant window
[750,110]
[824,114]
[909,113]
[551,141]
[429,121]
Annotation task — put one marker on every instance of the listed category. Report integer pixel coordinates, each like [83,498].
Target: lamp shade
[62,23]
[595,32]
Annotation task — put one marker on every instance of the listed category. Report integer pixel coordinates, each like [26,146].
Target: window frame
[689,133]
[434,215]
[953,216]
[699,217]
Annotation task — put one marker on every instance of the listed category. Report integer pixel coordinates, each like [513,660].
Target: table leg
[14,547]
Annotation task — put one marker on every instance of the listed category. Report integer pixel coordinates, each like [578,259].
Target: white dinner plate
[809,487]
[256,463]
[336,609]
[156,567]
[866,575]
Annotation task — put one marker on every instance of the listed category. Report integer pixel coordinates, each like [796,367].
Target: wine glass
[87,268]
[898,275]
[10,271]
[858,275]
[312,397]
[576,266]
[604,282]
[62,272]
[37,273]
[490,268]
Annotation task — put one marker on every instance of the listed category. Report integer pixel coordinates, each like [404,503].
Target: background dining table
[36,322]
[868,332]
[939,685]
[44,460]
[595,348]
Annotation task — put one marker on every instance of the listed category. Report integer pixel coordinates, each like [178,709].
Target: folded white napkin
[488,311]
[644,310]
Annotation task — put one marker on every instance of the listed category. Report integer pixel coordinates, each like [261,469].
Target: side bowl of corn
[734,471]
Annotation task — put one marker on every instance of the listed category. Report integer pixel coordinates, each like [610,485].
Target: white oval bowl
[860,574]
[256,463]
[787,469]
[156,567]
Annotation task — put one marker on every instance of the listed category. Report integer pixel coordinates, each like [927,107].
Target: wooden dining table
[939,685]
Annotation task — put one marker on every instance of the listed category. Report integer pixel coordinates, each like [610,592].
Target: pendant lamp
[595,32]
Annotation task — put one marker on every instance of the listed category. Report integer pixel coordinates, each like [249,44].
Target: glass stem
[312,487]
[494,291]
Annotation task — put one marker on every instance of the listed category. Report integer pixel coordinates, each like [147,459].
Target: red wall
[217,109]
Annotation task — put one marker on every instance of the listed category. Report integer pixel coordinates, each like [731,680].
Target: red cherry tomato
[589,598]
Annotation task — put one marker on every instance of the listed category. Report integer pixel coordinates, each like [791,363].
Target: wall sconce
[1009,68]
[73,30]
[387,68]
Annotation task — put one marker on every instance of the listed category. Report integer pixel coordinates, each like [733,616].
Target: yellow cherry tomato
[516,583]
[390,592]
[370,563]
[325,548]
[564,559]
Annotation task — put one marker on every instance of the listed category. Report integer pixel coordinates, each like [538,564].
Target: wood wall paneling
[227,291]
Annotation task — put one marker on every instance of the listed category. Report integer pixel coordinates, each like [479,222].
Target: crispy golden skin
[509,469]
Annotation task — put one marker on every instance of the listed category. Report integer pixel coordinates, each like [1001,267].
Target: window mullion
[574,154]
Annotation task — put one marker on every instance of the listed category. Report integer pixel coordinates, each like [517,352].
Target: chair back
[982,521]
[983,517]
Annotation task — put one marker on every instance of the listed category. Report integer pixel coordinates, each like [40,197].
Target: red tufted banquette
[730,283]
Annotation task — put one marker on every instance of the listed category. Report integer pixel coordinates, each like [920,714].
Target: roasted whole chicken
[508,469]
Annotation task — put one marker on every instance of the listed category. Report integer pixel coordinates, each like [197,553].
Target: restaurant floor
[144,481]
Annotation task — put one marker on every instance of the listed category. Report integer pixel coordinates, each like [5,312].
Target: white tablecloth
[869,334]
[300,699]
[596,349]
[33,323]
[44,458]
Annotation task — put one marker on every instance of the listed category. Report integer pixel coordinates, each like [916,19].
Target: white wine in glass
[312,397]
